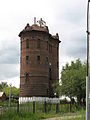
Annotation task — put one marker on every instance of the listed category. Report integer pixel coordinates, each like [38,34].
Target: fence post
[17,106]
[70,106]
[1,110]
[57,107]
[45,106]
[33,106]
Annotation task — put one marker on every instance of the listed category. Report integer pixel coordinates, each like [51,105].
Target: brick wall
[39,58]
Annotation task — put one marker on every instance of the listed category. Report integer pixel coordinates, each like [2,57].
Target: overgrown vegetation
[4,87]
[73,82]
[26,113]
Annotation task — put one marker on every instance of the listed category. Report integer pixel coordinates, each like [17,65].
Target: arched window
[38,59]
[27,59]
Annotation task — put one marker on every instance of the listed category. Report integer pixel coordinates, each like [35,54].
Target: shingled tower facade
[39,67]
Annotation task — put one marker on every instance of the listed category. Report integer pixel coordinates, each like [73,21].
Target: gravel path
[64,118]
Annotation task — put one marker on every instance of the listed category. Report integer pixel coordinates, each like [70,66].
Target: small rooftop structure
[2,96]
[39,25]
[1,93]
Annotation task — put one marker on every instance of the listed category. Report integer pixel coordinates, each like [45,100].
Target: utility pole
[88,72]
[9,96]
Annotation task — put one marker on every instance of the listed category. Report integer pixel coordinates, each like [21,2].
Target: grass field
[26,112]
[13,115]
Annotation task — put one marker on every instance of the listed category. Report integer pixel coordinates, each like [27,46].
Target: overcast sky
[66,17]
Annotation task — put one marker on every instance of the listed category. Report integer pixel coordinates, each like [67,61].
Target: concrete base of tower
[23,100]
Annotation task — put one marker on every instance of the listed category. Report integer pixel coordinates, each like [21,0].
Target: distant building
[39,66]
[2,96]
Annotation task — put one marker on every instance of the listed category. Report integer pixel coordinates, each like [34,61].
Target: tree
[14,91]
[74,80]
[56,88]
[5,88]
[2,85]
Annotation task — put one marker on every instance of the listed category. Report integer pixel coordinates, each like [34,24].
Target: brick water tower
[39,66]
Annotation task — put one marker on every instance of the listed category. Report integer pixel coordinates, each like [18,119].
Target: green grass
[26,112]
[80,115]
[12,115]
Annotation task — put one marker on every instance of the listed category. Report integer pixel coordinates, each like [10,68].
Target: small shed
[2,96]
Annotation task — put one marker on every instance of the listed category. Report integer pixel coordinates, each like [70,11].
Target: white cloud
[14,81]
[9,70]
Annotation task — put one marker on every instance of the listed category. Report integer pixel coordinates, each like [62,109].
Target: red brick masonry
[39,67]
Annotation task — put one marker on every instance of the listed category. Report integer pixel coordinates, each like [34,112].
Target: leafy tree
[14,91]
[73,80]
[56,88]
[5,88]
[2,85]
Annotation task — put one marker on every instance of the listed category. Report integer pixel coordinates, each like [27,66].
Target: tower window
[46,59]
[38,43]
[27,43]
[27,59]
[38,59]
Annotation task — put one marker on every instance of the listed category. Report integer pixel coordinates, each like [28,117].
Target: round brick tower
[39,61]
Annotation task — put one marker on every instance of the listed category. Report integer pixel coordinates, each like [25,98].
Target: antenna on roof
[41,22]
[34,20]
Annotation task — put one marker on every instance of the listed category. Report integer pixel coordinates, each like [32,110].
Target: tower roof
[34,27]
[40,26]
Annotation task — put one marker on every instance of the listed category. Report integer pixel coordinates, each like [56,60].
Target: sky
[65,17]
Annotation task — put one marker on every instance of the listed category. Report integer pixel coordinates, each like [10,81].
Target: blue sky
[66,17]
